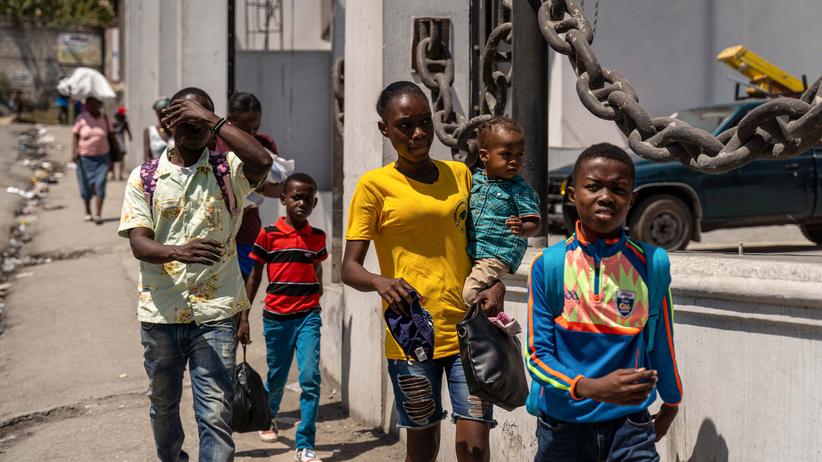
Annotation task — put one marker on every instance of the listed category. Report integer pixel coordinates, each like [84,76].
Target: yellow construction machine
[766,79]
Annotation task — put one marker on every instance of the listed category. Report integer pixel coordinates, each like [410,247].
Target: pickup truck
[674,204]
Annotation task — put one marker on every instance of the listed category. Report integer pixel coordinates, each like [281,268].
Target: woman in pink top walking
[91,154]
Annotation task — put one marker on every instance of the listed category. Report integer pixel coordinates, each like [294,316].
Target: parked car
[675,204]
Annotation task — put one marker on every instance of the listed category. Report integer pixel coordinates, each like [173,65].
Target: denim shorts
[418,393]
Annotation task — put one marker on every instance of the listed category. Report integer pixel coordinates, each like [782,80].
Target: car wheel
[664,221]
[812,232]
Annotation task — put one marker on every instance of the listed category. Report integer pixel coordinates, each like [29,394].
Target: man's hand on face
[188,111]
[199,251]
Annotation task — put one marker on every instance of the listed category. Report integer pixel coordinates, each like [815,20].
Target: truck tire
[812,232]
[664,221]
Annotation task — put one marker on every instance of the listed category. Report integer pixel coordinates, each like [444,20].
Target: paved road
[71,372]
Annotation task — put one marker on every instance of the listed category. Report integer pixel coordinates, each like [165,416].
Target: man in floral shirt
[181,227]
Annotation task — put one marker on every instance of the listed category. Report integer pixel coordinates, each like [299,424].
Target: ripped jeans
[418,397]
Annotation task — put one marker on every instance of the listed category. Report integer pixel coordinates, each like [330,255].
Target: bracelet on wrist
[216,129]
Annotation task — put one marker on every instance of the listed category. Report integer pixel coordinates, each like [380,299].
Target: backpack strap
[147,175]
[658,278]
[553,276]
[222,172]
[553,273]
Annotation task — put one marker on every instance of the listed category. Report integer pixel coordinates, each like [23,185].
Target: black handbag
[492,361]
[250,404]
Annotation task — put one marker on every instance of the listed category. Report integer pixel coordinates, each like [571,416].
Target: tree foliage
[94,13]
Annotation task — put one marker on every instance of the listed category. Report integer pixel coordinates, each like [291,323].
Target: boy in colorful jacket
[600,327]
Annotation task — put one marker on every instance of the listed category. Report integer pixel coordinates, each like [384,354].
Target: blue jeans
[209,350]
[283,336]
[418,397]
[630,438]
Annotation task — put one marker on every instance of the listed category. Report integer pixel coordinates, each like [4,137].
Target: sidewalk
[71,372]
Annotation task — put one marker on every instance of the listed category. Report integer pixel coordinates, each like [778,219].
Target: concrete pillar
[169,45]
[363,328]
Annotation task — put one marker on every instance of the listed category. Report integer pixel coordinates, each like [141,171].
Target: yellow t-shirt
[418,230]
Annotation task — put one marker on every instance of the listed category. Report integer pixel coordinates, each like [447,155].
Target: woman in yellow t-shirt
[415,211]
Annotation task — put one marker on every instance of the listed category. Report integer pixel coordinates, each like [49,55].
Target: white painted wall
[169,45]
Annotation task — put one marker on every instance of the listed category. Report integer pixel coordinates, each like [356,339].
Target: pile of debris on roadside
[33,148]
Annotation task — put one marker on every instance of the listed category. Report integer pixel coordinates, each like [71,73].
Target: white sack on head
[84,83]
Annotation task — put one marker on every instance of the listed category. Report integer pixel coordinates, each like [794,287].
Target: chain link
[777,129]
[338,84]
[436,69]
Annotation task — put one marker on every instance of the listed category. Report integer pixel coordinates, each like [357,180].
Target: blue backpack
[553,271]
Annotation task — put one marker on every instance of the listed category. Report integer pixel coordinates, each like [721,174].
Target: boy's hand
[514,224]
[200,251]
[395,291]
[623,386]
[663,420]
[491,299]
[243,330]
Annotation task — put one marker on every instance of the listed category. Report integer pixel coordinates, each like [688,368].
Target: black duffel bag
[250,405]
[492,361]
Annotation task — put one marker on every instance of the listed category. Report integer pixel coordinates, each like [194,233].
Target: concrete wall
[294,88]
[169,45]
[29,58]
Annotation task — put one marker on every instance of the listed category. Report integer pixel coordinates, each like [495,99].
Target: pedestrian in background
[16,104]
[121,129]
[191,288]
[415,210]
[156,137]
[79,108]
[291,252]
[91,153]
[62,103]
[245,113]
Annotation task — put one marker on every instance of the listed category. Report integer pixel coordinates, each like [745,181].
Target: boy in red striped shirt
[291,250]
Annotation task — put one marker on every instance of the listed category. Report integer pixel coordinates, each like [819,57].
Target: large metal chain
[436,69]
[338,84]
[777,129]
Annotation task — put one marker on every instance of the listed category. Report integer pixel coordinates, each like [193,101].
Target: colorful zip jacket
[601,327]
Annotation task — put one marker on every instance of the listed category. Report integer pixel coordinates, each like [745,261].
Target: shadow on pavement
[345,450]
[327,412]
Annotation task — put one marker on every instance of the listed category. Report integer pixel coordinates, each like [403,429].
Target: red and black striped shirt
[290,255]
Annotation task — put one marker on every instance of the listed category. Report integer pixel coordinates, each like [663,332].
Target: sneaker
[87,217]
[269,436]
[306,455]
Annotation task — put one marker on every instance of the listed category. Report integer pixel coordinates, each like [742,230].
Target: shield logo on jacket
[625,301]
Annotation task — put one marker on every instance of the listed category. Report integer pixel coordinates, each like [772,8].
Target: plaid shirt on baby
[493,202]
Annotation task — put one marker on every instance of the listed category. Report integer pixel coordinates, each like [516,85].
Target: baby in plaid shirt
[504,208]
